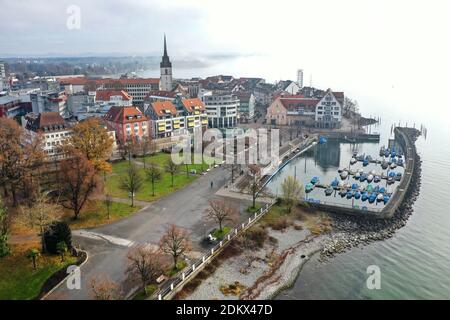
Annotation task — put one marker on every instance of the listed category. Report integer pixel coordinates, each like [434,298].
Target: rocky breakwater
[351,231]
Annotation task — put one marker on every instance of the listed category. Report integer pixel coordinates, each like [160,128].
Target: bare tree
[154,174]
[40,215]
[220,211]
[108,203]
[292,191]
[104,289]
[171,168]
[132,181]
[77,182]
[175,242]
[255,185]
[147,147]
[145,264]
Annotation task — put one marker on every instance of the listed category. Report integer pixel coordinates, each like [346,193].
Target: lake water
[415,263]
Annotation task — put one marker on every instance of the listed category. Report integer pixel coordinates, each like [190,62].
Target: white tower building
[165,83]
[300,78]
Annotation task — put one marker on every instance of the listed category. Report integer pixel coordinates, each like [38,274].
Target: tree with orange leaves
[20,156]
[91,138]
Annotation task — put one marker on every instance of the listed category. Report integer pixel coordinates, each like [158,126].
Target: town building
[114,98]
[13,106]
[127,123]
[324,111]
[4,84]
[246,106]
[165,83]
[194,112]
[137,88]
[329,110]
[221,108]
[292,110]
[288,86]
[51,127]
[177,117]
[50,101]
[300,78]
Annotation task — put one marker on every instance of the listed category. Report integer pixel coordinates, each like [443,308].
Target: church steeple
[165,45]
[165,82]
[165,63]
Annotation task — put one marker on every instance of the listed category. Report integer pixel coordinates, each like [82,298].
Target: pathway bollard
[171,286]
[212,250]
[193,267]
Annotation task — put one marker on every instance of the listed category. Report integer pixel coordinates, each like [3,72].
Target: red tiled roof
[160,93]
[299,101]
[105,95]
[47,121]
[190,104]
[124,115]
[123,81]
[163,108]
[73,80]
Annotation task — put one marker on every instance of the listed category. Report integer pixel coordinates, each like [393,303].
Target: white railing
[185,276]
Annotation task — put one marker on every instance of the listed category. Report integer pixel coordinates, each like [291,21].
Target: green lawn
[220,234]
[95,213]
[162,187]
[19,281]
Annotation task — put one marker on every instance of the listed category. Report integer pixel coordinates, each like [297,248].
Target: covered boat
[376,179]
[309,187]
[372,198]
[357,175]
[380,197]
[386,199]
[370,178]
[355,186]
[353,160]
[335,183]
[329,191]
[398,176]
[384,164]
[365,196]
[369,188]
[365,162]
[363,177]
[393,165]
[349,194]
[315,180]
[343,192]
[344,174]
[382,150]
[357,195]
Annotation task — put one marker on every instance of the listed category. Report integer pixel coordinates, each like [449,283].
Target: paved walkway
[108,245]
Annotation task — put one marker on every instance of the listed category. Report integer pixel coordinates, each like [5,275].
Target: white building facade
[221,109]
[328,112]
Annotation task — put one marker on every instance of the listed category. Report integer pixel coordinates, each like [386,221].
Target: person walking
[211,184]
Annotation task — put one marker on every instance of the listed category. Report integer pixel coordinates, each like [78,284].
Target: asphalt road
[108,245]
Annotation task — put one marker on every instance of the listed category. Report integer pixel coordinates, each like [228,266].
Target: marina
[361,178]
